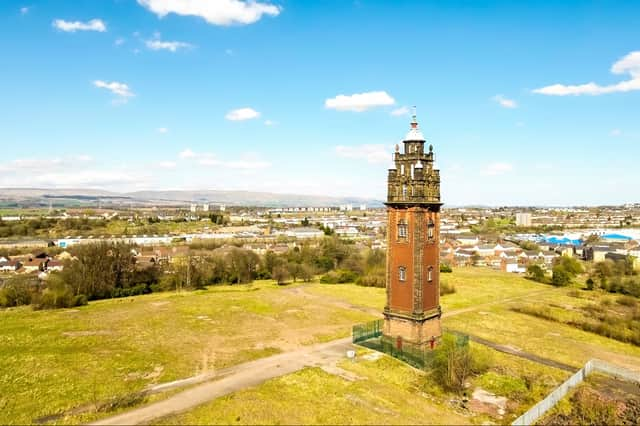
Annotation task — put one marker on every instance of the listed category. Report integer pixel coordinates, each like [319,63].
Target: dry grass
[52,361]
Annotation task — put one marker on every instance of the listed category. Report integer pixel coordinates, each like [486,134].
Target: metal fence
[538,410]
[370,330]
[370,336]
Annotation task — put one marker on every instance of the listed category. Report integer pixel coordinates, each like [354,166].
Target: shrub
[445,268]
[536,273]
[561,277]
[339,276]
[372,279]
[454,362]
[446,288]
[16,291]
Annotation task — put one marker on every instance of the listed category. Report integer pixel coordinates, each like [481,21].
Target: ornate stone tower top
[412,179]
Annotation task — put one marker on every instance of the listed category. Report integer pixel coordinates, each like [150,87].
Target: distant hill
[40,196]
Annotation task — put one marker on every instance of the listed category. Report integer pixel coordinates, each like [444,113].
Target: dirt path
[237,378]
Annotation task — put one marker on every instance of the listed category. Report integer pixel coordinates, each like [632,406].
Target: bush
[340,276]
[446,288]
[536,273]
[561,277]
[454,362]
[17,291]
[57,295]
[372,280]
[445,268]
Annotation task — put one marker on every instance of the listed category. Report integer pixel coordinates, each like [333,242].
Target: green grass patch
[54,361]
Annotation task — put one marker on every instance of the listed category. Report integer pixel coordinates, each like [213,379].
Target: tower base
[418,333]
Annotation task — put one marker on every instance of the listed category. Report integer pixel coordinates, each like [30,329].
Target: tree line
[107,270]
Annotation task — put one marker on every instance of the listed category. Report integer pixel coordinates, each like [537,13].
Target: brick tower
[412,313]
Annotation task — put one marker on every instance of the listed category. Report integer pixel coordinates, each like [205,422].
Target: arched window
[401,169]
[430,274]
[403,230]
[431,228]
[404,191]
[402,273]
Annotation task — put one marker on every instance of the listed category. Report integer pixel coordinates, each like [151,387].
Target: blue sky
[228,94]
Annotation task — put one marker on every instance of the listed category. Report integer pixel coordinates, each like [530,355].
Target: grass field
[378,391]
[384,391]
[52,361]
[550,339]
[474,286]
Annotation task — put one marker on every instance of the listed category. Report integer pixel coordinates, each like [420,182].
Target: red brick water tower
[412,313]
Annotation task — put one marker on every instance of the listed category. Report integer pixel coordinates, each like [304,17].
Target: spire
[414,132]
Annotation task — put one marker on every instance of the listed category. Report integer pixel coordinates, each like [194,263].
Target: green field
[54,361]
[374,391]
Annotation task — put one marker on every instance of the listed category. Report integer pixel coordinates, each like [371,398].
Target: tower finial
[414,118]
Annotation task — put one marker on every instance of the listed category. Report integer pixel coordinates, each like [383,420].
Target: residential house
[510,264]
[468,239]
[10,266]
[305,232]
[33,265]
[54,265]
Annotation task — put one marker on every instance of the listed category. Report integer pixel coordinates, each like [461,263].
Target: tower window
[401,169]
[431,230]
[404,191]
[402,230]
[430,274]
[402,273]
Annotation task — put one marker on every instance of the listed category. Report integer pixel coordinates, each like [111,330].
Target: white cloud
[504,102]
[120,89]
[217,12]
[63,172]
[167,164]
[495,169]
[372,153]
[400,111]
[248,164]
[24,10]
[616,132]
[242,114]
[72,27]
[270,123]
[163,130]
[630,64]
[172,46]
[247,161]
[187,153]
[359,102]
[119,41]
